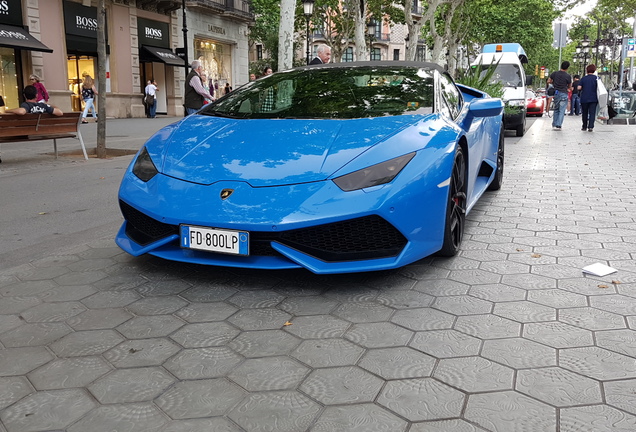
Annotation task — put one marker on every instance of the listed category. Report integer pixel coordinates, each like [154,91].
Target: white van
[508,58]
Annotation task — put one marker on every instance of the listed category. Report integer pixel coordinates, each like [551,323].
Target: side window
[450,96]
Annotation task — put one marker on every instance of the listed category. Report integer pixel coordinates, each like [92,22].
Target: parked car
[335,168]
[535,103]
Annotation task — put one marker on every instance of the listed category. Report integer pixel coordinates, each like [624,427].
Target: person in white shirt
[151,90]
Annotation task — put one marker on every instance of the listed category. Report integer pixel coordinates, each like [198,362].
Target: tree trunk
[361,52]
[286,35]
[100,149]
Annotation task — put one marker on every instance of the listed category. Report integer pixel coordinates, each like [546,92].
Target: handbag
[149,99]
[601,93]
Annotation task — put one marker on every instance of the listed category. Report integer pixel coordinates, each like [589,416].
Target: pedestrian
[31,105]
[88,95]
[228,88]
[252,77]
[43,95]
[267,96]
[195,95]
[151,98]
[323,55]
[575,108]
[589,100]
[562,82]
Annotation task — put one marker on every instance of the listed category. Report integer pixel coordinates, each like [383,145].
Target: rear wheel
[498,180]
[456,207]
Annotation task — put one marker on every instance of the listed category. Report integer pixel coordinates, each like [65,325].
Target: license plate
[215,240]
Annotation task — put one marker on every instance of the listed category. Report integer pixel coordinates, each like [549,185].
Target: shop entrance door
[78,68]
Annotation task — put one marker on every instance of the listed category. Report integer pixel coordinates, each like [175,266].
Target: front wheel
[498,180]
[456,207]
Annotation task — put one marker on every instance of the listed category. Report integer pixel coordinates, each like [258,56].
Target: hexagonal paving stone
[26,289]
[475,277]
[363,312]
[264,343]
[12,389]
[341,385]
[597,418]
[216,424]
[620,394]
[163,287]
[260,319]
[144,327]
[34,334]
[379,335]
[459,262]
[201,398]
[327,352]
[444,425]
[131,417]
[205,334]
[446,343]
[308,305]
[423,319]
[201,363]
[9,322]
[85,343]
[141,352]
[256,299]
[525,311]
[529,281]
[462,305]
[47,410]
[205,293]
[421,399]
[110,299]
[15,305]
[586,286]
[510,411]
[280,411]
[131,385]
[598,363]
[621,341]
[270,373]
[68,293]
[441,287]
[614,303]
[558,387]
[514,353]
[557,298]
[69,373]
[474,374]
[206,312]
[403,299]
[41,273]
[397,363]
[164,305]
[317,327]
[81,278]
[90,264]
[99,319]
[488,326]
[358,418]
[591,319]
[557,335]
[20,361]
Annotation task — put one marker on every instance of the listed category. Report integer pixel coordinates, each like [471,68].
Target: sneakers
[590,130]
[556,128]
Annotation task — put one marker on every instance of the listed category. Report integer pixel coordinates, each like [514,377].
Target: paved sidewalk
[510,335]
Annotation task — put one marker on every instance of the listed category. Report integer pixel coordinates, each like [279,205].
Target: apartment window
[420,54]
[396,54]
[259,52]
[376,54]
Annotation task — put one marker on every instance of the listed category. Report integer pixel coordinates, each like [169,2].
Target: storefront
[216,58]
[80,24]
[14,39]
[154,56]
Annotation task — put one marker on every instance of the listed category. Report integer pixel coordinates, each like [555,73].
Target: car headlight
[144,168]
[374,175]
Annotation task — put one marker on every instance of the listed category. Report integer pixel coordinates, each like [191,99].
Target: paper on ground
[598,269]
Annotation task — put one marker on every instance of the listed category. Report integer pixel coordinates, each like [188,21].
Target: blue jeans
[575,105]
[88,105]
[560,103]
[589,114]
[191,110]
[152,109]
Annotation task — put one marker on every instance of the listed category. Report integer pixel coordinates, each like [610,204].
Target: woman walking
[589,101]
[88,94]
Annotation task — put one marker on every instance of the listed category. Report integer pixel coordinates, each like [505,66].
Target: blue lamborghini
[345,167]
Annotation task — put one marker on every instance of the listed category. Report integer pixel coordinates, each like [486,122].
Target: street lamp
[371,28]
[308,9]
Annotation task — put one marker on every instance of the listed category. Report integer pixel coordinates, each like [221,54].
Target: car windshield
[326,93]
[507,74]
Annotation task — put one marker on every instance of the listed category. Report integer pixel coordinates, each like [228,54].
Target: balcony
[238,10]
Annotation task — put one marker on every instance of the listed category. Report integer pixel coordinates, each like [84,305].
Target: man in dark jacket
[195,94]
[575,104]
[323,55]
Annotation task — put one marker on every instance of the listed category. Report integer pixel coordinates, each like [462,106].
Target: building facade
[57,40]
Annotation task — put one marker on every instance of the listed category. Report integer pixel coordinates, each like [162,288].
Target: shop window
[78,68]
[216,59]
[8,79]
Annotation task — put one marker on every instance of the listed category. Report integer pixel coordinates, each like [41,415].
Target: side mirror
[487,107]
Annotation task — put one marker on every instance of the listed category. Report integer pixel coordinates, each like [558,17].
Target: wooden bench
[36,127]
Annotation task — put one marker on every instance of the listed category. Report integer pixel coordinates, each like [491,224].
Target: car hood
[204,149]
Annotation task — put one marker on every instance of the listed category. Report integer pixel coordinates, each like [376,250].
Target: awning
[164,55]
[19,38]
